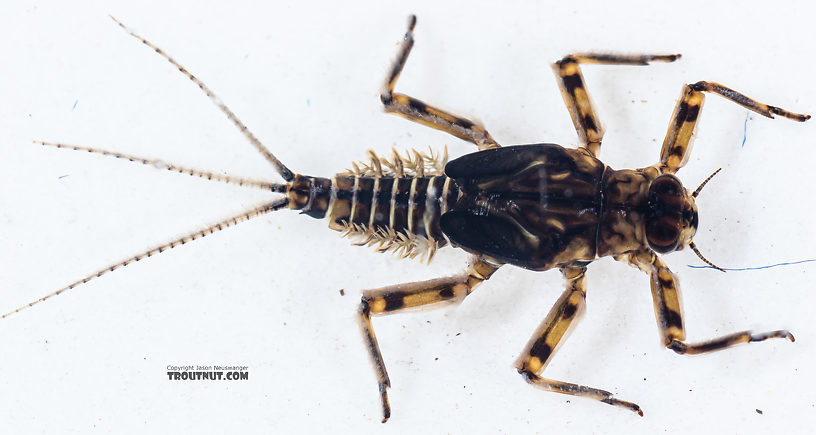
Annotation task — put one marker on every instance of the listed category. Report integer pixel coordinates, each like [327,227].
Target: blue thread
[745,130]
[756,268]
[75,104]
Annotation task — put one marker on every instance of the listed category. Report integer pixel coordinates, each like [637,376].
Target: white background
[265,294]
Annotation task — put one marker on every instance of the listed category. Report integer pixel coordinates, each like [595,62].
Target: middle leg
[549,337]
[580,106]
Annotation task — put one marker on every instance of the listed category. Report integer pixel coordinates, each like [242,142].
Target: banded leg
[418,111]
[677,144]
[549,337]
[668,311]
[393,299]
[580,106]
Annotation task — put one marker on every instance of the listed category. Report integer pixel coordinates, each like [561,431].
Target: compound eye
[667,191]
[663,234]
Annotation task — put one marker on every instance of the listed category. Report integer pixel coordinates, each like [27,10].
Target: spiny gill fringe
[413,164]
[226,223]
[405,244]
[265,185]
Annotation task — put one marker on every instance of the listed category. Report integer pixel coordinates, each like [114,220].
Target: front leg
[677,144]
[666,297]
[397,298]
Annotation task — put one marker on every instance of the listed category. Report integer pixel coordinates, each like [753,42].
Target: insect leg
[392,299]
[580,106]
[666,297]
[425,114]
[678,142]
[549,337]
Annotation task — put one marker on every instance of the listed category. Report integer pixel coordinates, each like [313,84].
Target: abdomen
[384,209]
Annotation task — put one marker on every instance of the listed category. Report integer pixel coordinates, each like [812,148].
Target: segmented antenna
[265,185]
[697,191]
[280,167]
[691,244]
[694,248]
[244,216]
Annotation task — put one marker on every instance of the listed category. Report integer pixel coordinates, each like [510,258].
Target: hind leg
[425,114]
[397,298]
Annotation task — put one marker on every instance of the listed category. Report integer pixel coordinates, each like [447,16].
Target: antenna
[697,191]
[694,248]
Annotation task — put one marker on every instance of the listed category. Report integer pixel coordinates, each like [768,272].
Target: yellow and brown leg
[393,299]
[425,114]
[677,144]
[668,310]
[550,336]
[580,106]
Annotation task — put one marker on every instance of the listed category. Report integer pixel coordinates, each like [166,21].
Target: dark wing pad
[534,206]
